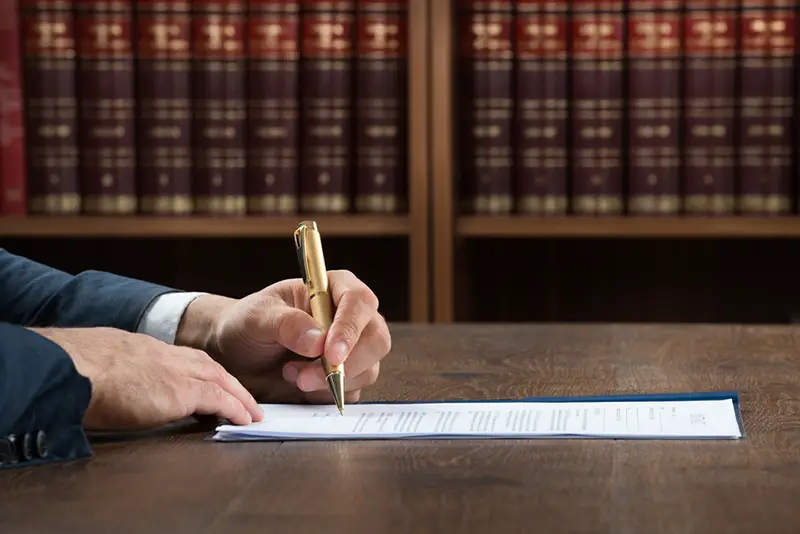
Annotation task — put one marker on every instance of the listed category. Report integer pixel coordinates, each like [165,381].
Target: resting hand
[139,382]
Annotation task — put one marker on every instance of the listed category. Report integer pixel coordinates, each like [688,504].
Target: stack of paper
[663,419]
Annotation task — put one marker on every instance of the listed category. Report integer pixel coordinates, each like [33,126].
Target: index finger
[356,305]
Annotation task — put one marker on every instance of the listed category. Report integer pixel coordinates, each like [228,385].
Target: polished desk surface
[180,482]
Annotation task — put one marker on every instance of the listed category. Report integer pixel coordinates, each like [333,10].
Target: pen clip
[300,246]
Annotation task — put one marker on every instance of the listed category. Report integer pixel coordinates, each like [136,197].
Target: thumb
[296,330]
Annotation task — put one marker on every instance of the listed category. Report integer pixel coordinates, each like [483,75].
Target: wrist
[199,323]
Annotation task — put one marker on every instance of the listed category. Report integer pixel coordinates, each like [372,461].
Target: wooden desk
[181,483]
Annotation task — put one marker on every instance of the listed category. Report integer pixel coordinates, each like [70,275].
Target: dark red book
[51,107]
[710,44]
[272,183]
[766,101]
[654,112]
[381,111]
[541,131]
[107,106]
[13,179]
[164,111]
[484,91]
[597,113]
[219,105]
[326,93]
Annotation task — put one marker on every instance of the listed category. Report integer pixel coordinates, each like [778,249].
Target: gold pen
[308,243]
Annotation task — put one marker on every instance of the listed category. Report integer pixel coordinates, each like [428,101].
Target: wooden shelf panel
[140,226]
[628,227]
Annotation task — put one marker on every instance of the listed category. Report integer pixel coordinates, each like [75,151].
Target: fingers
[295,329]
[356,306]
[209,398]
[206,370]
[373,346]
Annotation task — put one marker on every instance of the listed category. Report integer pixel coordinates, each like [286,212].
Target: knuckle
[373,373]
[383,341]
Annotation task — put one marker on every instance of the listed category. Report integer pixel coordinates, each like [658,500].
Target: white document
[688,419]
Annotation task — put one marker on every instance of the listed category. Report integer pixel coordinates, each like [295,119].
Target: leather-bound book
[51,107]
[597,112]
[381,110]
[484,91]
[13,180]
[164,111]
[654,112]
[766,80]
[218,94]
[709,136]
[272,183]
[541,131]
[326,109]
[106,106]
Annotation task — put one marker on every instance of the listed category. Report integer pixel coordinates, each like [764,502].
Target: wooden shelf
[140,226]
[628,227]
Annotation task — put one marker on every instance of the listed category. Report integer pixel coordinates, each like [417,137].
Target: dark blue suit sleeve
[42,401]
[32,294]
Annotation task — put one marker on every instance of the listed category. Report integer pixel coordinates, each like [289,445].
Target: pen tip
[336,383]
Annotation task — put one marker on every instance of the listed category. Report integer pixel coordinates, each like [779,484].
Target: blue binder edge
[642,397]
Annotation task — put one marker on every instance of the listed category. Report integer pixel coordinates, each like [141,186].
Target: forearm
[32,294]
[43,400]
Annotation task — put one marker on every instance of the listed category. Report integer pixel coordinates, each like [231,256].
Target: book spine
[218,101]
[541,133]
[381,111]
[766,81]
[164,114]
[598,112]
[326,124]
[272,107]
[13,179]
[106,106]
[710,44]
[486,106]
[654,113]
[51,107]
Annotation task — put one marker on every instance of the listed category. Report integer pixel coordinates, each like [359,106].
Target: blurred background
[528,160]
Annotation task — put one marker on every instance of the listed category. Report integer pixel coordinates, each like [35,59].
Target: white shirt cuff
[162,317]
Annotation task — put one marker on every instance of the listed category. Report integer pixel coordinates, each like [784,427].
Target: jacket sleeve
[43,400]
[32,294]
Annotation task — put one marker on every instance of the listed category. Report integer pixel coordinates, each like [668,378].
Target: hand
[139,382]
[255,338]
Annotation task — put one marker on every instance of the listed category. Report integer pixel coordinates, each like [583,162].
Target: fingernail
[290,373]
[310,337]
[339,352]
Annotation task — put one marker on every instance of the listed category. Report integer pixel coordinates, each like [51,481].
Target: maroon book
[766,81]
[218,94]
[272,183]
[709,139]
[541,130]
[13,179]
[164,114]
[326,92]
[51,107]
[106,106]
[381,111]
[485,94]
[597,116]
[654,96]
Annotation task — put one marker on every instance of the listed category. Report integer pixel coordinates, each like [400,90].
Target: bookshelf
[236,255]
[610,268]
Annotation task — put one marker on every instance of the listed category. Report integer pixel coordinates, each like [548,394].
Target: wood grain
[179,482]
[141,226]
